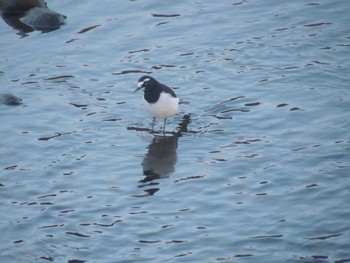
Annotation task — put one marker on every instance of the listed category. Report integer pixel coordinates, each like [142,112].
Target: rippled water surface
[253,168]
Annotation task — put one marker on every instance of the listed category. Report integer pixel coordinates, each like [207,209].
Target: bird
[160,100]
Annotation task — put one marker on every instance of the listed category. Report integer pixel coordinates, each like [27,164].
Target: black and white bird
[160,100]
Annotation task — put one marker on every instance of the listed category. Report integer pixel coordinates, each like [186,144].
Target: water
[254,168]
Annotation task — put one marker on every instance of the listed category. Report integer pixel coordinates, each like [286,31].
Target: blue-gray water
[260,175]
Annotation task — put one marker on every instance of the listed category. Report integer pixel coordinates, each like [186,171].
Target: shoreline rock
[29,15]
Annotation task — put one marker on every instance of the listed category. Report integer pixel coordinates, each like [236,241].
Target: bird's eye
[145,82]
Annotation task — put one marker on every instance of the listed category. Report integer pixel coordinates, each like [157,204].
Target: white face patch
[139,85]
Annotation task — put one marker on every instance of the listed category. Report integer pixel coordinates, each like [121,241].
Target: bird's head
[143,82]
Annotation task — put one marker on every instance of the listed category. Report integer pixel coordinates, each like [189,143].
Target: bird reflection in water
[160,160]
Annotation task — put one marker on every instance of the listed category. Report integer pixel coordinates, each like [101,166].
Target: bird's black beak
[139,86]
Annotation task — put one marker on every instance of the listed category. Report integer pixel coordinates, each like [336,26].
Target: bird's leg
[164,126]
[154,119]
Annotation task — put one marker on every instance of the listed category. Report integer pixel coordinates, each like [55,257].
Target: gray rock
[20,5]
[29,15]
[9,99]
[42,19]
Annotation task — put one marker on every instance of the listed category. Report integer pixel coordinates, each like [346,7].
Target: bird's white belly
[165,107]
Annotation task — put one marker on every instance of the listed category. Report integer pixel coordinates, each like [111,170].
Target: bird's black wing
[166,89]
